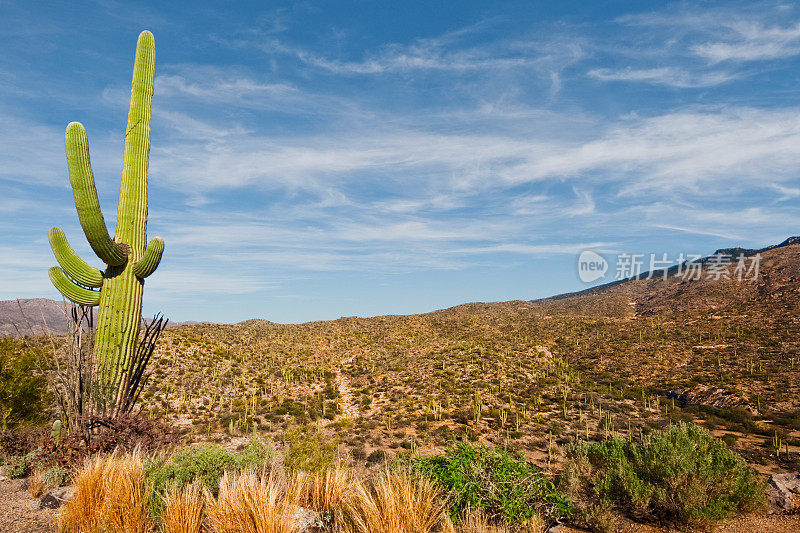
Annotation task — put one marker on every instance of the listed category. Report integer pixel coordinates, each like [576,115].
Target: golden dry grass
[183,509]
[474,522]
[248,503]
[396,502]
[110,497]
[35,484]
[320,492]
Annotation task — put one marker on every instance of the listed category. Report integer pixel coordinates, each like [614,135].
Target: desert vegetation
[661,404]
[680,475]
[466,399]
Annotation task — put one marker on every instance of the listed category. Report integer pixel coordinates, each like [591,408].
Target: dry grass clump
[473,522]
[396,502]
[320,492]
[248,503]
[183,509]
[110,497]
[35,484]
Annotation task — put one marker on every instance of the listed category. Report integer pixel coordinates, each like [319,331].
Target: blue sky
[312,160]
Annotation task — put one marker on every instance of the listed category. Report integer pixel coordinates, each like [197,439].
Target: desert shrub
[680,474]
[359,453]
[501,485]
[53,477]
[23,388]
[21,440]
[307,449]
[128,432]
[23,465]
[376,456]
[103,435]
[205,464]
[259,452]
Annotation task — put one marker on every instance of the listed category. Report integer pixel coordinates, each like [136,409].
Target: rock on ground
[307,521]
[783,492]
[57,497]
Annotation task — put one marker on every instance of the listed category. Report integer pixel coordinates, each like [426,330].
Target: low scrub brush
[681,475]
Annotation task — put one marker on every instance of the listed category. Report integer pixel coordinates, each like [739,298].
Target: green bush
[23,465]
[307,449]
[206,463]
[680,474]
[502,485]
[53,477]
[23,388]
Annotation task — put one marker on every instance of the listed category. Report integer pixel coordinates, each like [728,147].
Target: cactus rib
[75,267]
[72,291]
[85,193]
[151,258]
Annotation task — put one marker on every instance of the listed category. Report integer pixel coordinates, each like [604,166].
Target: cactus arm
[72,291]
[75,267]
[85,193]
[151,258]
[132,209]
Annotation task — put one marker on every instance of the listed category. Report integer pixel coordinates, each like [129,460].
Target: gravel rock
[55,498]
[783,493]
[713,396]
[307,521]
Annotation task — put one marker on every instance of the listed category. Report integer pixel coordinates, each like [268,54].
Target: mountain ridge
[39,315]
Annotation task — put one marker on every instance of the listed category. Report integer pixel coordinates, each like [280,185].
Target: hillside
[32,317]
[528,375]
[38,316]
[776,286]
[624,358]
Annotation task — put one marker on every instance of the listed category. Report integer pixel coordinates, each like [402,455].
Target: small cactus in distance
[128,261]
[56,431]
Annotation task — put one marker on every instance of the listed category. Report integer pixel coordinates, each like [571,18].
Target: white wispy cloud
[669,76]
[450,53]
[751,41]
[787,193]
[429,55]
[716,147]
[218,85]
[539,249]
[688,46]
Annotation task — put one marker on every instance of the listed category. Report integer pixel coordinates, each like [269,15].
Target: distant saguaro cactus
[128,261]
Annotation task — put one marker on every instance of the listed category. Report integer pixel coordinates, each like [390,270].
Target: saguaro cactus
[128,261]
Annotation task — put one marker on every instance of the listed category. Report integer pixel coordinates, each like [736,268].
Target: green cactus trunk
[121,293]
[128,260]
